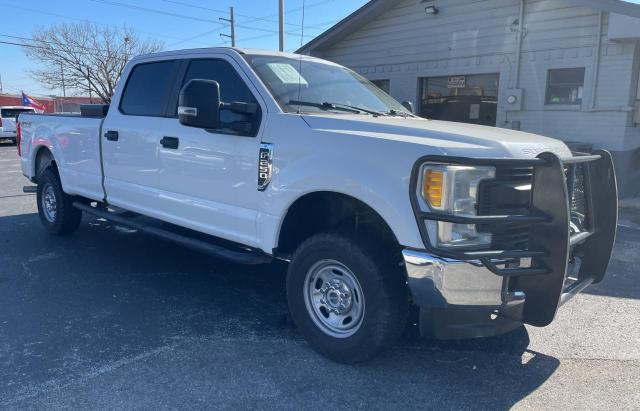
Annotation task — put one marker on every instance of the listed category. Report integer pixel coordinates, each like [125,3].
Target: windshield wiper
[335,106]
[322,106]
[364,110]
[401,114]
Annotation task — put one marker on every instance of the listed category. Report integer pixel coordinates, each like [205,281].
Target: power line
[290,11]
[183,16]
[54,49]
[48,13]
[182,3]
[253,18]
[155,11]
[197,36]
[50,42]
[180,41]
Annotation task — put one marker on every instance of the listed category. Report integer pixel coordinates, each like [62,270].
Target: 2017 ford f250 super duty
[252,155]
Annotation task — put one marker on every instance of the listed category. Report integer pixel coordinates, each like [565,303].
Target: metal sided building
[568,69]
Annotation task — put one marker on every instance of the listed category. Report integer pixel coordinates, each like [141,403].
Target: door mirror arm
[240,107]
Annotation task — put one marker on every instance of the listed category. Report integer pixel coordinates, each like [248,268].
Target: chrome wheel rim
[334,298]
[49,203]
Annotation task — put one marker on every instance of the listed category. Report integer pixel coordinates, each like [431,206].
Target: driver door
[209,177]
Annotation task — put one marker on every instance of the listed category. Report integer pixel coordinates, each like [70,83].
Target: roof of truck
[218,49]
[249,51]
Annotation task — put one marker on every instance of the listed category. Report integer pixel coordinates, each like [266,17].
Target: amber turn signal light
[432,187]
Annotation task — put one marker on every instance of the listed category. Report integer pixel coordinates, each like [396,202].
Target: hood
[455,139]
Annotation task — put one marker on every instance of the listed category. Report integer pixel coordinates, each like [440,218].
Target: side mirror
[199,104]
[408,105]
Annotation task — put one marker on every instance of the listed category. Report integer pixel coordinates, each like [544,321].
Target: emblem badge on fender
[265,166]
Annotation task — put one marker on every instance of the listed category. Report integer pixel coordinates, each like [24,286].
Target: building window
[384,85]
[565,86]
[464,98]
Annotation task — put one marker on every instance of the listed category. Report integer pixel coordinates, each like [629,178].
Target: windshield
[13,112]
[313,86]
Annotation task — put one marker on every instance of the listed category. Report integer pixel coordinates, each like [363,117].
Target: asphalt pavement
[110,318]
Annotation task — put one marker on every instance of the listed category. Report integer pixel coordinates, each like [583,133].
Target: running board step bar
[240,257]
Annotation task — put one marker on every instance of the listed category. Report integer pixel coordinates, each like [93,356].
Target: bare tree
[84,57]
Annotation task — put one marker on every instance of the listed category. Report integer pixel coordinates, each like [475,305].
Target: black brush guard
[562,263]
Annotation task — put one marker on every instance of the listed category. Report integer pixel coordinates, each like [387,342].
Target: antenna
[300,60]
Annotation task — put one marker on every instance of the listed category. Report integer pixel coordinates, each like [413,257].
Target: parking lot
[111,318]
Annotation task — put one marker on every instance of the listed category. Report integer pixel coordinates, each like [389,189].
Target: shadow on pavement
[621,280]
[74,304]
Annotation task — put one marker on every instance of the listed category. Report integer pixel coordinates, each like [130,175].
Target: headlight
[453,189]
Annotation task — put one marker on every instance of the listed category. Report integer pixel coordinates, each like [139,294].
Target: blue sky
[196,26]
[256,25]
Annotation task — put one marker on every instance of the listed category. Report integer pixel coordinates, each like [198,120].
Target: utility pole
[89,83]
[0,83]
[281,23]
[64,91]
[231,22]
[55,107]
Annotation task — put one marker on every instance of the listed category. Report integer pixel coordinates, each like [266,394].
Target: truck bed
[75,142]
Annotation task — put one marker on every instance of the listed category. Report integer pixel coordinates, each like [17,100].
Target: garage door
[464,98]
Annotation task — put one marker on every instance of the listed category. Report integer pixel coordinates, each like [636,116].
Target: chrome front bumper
[440,282]
[460,299]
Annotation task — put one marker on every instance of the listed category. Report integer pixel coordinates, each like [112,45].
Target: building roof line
[374,8]
[352,22]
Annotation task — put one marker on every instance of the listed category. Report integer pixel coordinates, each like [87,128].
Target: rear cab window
[14,112]
[146,91]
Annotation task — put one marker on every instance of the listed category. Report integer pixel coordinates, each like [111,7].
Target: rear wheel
[346,296]
[55,207]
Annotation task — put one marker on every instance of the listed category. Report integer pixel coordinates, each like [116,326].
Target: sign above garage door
[457,82]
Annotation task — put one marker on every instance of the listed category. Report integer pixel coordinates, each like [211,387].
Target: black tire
[67,218]
[384,293]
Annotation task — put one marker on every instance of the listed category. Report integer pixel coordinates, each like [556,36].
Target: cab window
[145,93]
[14,112]
[232,89]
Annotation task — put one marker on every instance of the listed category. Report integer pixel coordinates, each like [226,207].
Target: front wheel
[346,296]
[55,207]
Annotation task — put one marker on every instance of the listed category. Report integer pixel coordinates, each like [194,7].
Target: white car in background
[8,116]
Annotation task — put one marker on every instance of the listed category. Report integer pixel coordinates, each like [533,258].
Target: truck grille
[576,185]
[510,194]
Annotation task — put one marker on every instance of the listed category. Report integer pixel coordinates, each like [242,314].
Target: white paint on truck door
[209,182]
[131,152]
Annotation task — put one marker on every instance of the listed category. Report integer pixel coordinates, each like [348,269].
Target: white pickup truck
[253,156]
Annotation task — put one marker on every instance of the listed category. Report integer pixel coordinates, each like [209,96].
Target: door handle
[111,135]
[170,142]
